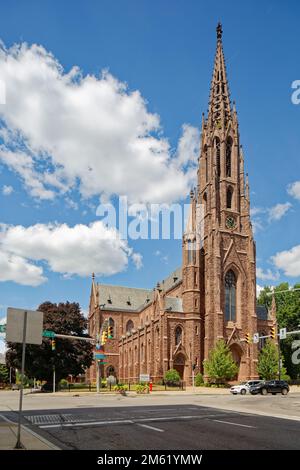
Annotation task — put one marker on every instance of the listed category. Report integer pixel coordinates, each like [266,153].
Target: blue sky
[164,50]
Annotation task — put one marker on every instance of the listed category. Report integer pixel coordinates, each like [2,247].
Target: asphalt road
[161,428]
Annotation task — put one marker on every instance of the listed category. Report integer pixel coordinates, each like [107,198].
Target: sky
[101,99]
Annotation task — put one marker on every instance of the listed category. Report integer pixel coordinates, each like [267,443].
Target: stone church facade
[213,295]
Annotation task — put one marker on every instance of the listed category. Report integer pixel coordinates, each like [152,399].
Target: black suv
[270,386]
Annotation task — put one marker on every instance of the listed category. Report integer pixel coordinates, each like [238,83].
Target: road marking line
[234,424]
[125,421]
[91,423]
[150,427]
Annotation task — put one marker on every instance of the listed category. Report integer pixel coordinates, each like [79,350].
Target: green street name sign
[48,334]
[2,328]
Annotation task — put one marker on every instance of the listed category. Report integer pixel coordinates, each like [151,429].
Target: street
[161,422]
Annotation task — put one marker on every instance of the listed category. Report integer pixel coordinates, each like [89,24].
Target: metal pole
[10,375]
[53,379]
[19,444]
[193,379]
[279,360]
[97,375]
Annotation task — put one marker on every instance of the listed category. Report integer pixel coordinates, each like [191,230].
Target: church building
[212,295]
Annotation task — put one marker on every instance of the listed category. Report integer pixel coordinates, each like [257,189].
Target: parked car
[270,386]
[243,387]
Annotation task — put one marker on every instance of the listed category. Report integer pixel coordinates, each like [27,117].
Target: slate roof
[123,298]
[134,299]
[173,304]
[262,312]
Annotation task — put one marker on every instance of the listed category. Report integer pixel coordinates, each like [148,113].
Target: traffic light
[273,332]
[53,344]
[104,337]
[247,338]
[110,332]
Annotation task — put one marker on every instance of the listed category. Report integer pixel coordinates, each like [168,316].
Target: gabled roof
[135,299]
[123,298]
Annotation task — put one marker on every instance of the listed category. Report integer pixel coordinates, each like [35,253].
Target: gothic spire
[219,110]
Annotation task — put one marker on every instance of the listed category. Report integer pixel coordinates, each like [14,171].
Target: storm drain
[57,419]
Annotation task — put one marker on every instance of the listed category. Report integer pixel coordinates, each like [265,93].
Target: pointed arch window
[206,163]
[178,335]
[228,156]
[229,198]
[230,296]
[129,326]
[191,251]
[218,155]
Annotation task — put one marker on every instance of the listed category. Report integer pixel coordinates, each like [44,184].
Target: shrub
[63,383]
[142,388]
[172,377]
[199,380]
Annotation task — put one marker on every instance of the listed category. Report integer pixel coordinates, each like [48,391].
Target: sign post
[19,444]
[23,326]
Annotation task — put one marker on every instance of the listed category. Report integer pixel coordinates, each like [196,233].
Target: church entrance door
[179,363]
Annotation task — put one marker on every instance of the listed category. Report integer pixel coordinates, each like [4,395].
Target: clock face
[230,222]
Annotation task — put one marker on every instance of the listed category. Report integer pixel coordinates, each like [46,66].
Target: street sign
[98,355]
[282,333]
[256,338]
[15,325]
[48,334]
[2,328]
[144,378]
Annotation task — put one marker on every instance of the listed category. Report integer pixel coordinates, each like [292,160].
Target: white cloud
[138,260]
[288,261]
[7,190]
[266,275]
[263,215]
[188,145]
[293,190]
[66,131]
[278,211]
[79,250]
[16,268]
[258,290]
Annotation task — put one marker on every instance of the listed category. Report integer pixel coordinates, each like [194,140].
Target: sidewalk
[29,439]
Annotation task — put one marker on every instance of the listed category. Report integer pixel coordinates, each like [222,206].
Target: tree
[69,356]
[4,374]
[288,316]
[267,365]
[220,365]
[172,377]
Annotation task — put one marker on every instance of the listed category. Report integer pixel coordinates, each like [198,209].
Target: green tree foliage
[172,376]
[69,357]
[288,316]
[267,365]
[199,380]
[220,365]
[4,374]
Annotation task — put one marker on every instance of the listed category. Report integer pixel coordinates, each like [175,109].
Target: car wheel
[284,391]
[243,391]
[264,391]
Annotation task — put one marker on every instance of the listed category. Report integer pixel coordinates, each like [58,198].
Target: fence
[180,386]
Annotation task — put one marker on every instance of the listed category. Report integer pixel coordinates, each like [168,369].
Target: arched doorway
[110,370]
[179,363]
